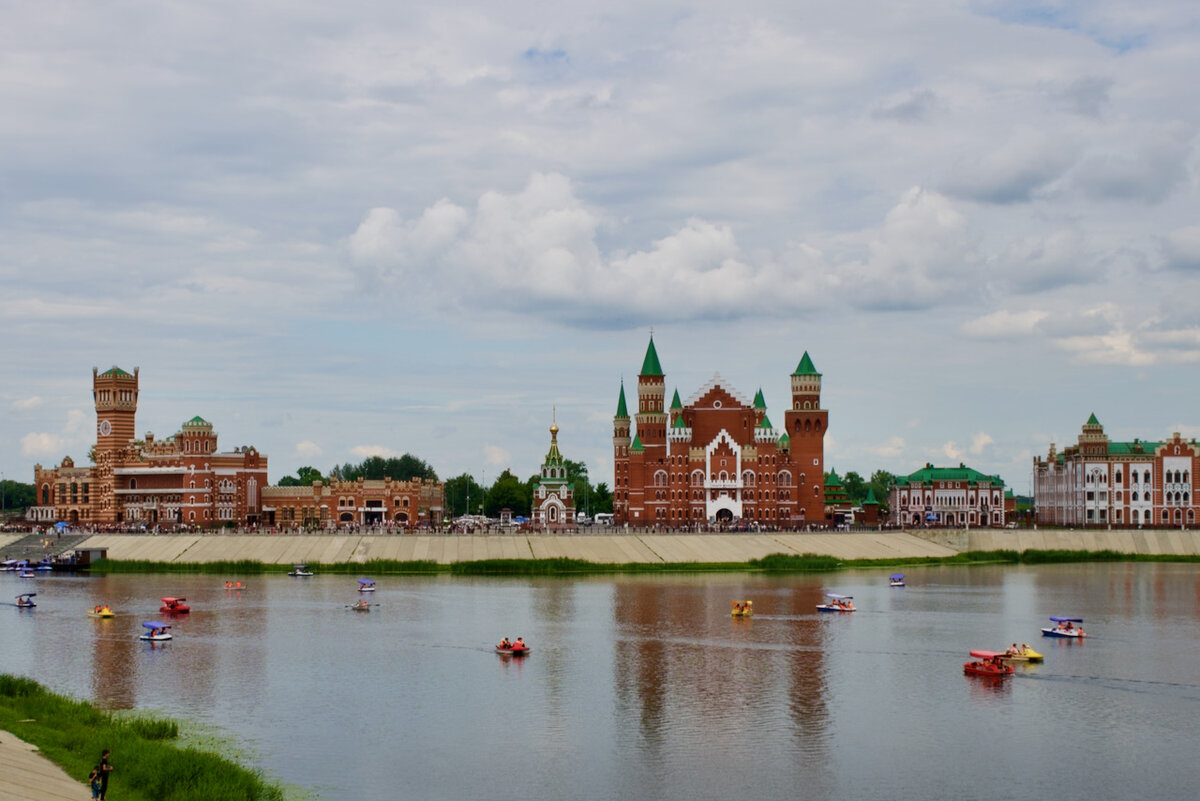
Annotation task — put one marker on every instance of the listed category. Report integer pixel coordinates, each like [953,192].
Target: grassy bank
[148,764]
[774,563]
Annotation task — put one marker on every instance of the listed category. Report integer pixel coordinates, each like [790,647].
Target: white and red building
[947,496]
[1099,482]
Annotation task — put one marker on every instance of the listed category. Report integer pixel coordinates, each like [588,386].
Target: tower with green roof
[651,415]
[804,426]
[554,496]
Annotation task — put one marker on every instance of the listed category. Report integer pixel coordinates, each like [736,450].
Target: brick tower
[805,424]
[115,394]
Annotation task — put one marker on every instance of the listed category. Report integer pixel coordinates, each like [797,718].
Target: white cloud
[951,451]
[893,447]
[1004,324]
[307,449]
[25,404]
[979,442]
[496,456]
[1012,173]
[76,421]
[42,445]
[366,451]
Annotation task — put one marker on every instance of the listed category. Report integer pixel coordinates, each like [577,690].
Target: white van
[603,519]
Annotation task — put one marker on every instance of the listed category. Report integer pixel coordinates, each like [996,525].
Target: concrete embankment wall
[1150,541]
[606,549]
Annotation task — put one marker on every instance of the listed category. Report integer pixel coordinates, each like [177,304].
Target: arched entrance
[724,515]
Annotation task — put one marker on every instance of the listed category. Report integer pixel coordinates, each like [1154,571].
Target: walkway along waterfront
[624,547]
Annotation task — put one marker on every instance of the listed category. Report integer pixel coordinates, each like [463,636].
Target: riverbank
[46,738]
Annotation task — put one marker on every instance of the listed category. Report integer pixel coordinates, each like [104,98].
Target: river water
[645,687]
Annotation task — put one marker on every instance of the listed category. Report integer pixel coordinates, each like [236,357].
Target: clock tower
[115,394]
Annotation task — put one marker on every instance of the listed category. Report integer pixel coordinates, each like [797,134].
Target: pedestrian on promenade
[94,781]
[105,769]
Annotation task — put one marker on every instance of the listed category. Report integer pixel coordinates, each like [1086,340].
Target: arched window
[785,478]
[1147,477]
[133,483]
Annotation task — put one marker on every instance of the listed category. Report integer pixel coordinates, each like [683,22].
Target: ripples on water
[645,687]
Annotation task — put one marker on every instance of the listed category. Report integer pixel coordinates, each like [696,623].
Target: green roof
[1137,446]
[114,370]
[197,421]
[806,366]
[675,402]
[637,444]
[650,365]
[928,474]
[870,497]
[759,401]
[766,423]
[832,479]
[783,440]
[621,410]
[679,423]
[1092,421]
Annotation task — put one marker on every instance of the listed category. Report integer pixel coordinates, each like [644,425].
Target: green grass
[148,763]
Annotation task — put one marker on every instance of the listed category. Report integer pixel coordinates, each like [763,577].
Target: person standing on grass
[105,769]
[94,781]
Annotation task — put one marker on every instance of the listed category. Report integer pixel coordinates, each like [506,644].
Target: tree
[305,476]
[461,491]
[374,468]
[856,488]
[508,492]
[881,482]
[601,501]
[17,497]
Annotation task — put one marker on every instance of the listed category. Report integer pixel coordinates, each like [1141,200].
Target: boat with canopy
[300,570]
[366,585]
[987,663]
[174,606]
[1066,628]
[896,580]
[155,631]
[837,603]
[25,600]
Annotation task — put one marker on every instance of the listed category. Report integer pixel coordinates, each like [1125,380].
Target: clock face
[105,428]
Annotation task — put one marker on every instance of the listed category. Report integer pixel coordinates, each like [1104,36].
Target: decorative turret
[115,395]
[651,419]
[806,385]
[764,432]
[1092,440]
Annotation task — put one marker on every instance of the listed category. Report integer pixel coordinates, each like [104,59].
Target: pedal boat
[987,663]
[155,631]
[174,606]
[896,580]
[513,650]
[1026,654]
[1065,628]
[741,608]
[837,603]
[101,611]
[360,606]
[366,585]
[300,570]
[25,600]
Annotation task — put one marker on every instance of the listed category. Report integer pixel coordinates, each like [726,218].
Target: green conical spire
[784,440]
[766,423]
[870,497]
[621,410]
[637,444]
[679,423]
[759,401]
[1092,421]
[650,365]
[675,402]
[806,366]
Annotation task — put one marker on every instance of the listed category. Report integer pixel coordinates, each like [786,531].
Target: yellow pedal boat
[1025,654]
[101,611]
[742,608]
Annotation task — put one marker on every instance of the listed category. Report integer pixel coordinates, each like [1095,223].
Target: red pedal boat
[988,663]
[174,606]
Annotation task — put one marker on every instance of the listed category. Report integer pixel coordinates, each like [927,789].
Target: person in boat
[519,644]
[1024,649]
[97,609]
[1012,650]
[1068,626]
[504,643]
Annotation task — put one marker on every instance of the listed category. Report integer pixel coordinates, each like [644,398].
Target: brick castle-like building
[183,479]
[718,458]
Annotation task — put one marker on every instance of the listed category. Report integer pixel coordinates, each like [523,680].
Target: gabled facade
[947,496]
[1099,482]
[717,457]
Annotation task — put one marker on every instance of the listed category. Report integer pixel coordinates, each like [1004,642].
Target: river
[645,687]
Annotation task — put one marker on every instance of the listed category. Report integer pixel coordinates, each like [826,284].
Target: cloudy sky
[341,229]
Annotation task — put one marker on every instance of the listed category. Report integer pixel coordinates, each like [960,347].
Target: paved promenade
[26,775]
[607,549]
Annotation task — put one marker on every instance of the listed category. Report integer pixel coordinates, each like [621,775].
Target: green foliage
[148,763]
[404,468]
[796,562]
[239,567]
[856,488]
[601,500]
[508,492]
[881,482]
[460,491]
[17,497]
[305,476]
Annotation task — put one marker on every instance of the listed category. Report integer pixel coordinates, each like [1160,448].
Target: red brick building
[383,502]
[718,458]
[183,479]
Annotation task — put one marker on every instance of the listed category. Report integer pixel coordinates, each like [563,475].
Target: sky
[337,230]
